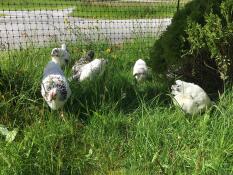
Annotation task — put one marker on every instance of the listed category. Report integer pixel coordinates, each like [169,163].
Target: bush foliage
[198,45]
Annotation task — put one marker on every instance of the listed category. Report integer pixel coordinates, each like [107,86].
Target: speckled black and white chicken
[76,69]
[55,87]
[140,70]
[190,97]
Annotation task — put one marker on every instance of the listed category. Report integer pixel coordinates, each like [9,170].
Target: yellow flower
[108,50]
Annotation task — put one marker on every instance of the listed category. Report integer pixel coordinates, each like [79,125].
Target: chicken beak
[52,96]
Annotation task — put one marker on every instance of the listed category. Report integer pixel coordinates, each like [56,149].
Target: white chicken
[190,97]
[140,70]
[54,87]
[94,68]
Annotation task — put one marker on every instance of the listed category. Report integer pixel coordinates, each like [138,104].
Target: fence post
[178,6]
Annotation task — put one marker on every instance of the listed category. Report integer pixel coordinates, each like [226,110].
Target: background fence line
[37,23]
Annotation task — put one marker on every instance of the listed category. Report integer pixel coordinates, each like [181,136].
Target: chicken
[94,68]
[76,69]
[140,70]
[55,87]
[190,97]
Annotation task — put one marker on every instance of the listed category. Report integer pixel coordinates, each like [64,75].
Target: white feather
[76,69]
[92,69]
[140,70]
[60,55]
[190,97]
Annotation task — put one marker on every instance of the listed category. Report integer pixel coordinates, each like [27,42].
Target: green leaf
[11,135]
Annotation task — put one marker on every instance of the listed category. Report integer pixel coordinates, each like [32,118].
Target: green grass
[100,10]
[34,4]
[112,125]
[125,10]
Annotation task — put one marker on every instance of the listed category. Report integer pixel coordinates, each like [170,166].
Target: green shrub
[198,44]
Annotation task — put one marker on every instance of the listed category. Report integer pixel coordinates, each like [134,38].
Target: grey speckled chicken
[76,69]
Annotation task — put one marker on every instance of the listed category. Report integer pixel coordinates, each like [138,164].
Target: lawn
[116,10]
[100,10]
[113,126]
[34,4]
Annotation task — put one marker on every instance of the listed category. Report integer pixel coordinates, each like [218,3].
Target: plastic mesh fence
[37,23]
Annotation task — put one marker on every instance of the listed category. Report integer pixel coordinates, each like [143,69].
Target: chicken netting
[37,23]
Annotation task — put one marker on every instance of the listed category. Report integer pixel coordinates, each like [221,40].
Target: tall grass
[113,125]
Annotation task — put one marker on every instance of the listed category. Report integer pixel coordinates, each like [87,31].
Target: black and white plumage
[86,59]
[140,70]
[54,87]
[60,55]
[190,97]
[76,69]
